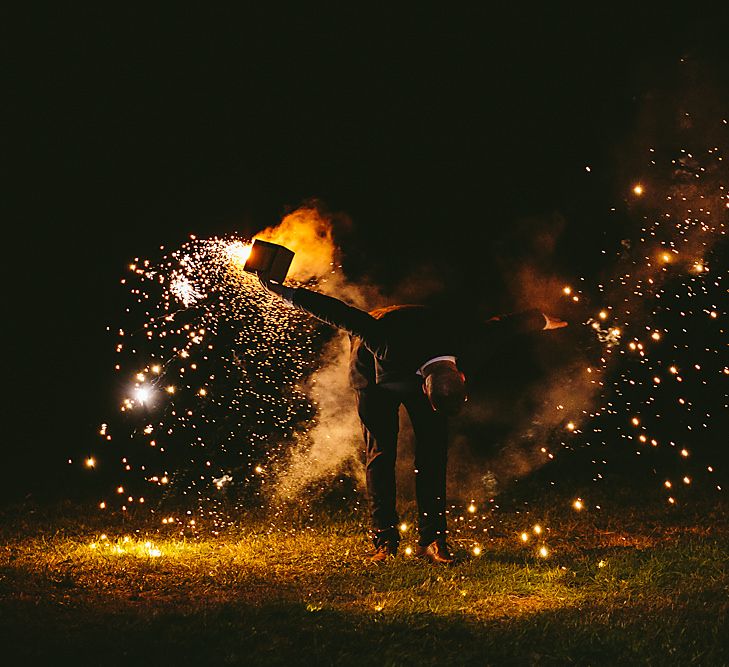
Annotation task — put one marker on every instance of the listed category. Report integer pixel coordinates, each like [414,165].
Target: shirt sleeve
[338,314]
[522,322]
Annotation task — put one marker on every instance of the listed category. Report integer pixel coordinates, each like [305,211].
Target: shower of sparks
[214,369]
[661,401]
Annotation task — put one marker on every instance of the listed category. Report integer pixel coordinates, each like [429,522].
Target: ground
[643,585]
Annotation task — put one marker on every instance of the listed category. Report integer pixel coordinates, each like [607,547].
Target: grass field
[643,585]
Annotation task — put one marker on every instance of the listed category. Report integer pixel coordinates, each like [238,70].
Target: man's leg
[431,445]
[378,412]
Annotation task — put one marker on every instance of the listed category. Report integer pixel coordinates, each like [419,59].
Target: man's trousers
[378,408]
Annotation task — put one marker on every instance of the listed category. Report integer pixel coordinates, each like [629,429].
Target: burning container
[269,259]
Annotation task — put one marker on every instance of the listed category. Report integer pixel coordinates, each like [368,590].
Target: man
[408,355]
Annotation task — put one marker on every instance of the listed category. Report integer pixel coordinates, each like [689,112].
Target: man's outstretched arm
[333,312]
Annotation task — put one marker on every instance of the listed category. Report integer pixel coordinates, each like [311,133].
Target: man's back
[415,334]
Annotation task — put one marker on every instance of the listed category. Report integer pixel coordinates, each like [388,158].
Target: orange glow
[239,252]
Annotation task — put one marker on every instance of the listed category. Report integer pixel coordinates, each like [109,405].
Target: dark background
[437,131]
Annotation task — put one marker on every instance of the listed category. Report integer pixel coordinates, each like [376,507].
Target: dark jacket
[389,345]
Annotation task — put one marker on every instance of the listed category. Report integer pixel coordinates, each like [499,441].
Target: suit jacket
[389,345]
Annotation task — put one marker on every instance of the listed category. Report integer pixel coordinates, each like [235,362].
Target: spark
[143,394]
[184,290]
[239,252]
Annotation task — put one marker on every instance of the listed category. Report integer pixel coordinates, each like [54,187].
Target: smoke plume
[332,444]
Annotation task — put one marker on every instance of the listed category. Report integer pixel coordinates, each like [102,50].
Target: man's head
[445,386]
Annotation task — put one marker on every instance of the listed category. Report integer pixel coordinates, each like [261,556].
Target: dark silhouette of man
[408,355]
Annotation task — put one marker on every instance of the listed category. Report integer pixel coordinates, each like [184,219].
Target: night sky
[446,135]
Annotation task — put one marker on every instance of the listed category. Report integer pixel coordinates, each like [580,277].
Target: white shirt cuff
[446,357]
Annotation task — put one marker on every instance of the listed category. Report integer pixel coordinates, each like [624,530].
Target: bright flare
[239,252]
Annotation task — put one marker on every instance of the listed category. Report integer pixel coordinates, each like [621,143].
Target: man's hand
[274,288]
[553,322]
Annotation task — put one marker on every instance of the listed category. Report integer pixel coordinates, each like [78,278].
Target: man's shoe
[436,552]
[383,553]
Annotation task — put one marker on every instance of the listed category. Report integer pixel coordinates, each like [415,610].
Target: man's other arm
[522,322]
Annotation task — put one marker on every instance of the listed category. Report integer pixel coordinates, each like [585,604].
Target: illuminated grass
[615,590]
